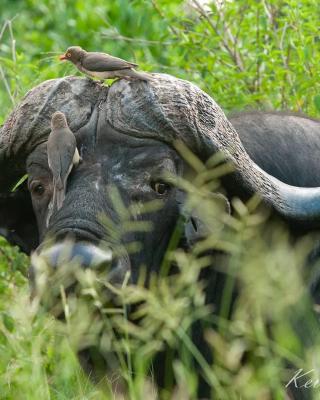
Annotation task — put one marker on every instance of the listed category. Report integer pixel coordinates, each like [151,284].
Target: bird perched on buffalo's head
[62,156]
[102,65]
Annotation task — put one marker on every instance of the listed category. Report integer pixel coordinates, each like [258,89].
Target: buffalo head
[125,135]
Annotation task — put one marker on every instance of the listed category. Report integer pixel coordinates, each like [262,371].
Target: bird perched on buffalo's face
[102,65]
[62,156]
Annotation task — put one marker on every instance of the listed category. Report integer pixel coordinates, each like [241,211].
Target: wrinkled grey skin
[125,135]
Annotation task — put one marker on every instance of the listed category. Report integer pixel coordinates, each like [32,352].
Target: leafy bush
[245,54]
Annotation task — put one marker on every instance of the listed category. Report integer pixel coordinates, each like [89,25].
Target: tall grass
[258,339]
[270,333]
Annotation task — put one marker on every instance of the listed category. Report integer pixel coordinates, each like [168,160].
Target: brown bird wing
[100,62]
[61,147]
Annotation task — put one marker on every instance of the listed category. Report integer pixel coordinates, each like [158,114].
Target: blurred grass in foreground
[271,333]
[260,54]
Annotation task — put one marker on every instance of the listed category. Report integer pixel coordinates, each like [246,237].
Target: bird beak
[62,57]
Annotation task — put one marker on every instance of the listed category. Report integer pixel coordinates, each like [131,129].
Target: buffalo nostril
[119,271]
[85,254]
[194,224]
[56,267]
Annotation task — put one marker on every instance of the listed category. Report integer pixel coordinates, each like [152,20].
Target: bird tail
[58,194]
[144,76]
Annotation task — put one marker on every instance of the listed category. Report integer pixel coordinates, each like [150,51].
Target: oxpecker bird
[63,155]
[102,65]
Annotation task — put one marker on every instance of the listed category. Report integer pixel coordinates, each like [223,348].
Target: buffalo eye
[160,187]
[37,188]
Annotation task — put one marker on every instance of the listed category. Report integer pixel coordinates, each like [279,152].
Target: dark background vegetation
[246,54]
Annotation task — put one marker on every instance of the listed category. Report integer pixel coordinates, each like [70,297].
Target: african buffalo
[126,136]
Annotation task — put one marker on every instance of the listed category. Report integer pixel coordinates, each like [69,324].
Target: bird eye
[160,187]
[69,55]
[37,188]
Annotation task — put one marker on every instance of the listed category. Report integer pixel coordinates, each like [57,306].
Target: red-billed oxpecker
[102,65]
[63,155]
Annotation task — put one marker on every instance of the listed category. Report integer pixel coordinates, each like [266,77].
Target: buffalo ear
[17,220]
[195,228]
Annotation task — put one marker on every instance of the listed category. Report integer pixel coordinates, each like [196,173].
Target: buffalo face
[116,172]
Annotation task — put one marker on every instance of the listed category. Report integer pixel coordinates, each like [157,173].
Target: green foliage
[131,324]
[257,54]
[13,269]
